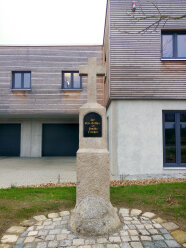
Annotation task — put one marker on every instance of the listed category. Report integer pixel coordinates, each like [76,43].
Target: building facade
[144,92]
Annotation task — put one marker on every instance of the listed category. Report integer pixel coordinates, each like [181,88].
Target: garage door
[60,139]
[10,139]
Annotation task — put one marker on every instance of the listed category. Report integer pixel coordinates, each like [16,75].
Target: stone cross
[93,214]
[92,70]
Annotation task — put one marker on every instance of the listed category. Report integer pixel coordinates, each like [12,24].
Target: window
[174,44]
[71,80]
[21,80]
[174,132]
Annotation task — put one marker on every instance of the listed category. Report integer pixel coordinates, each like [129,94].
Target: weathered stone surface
[9,239]
[170,226]
[94,216]
[64,213]
[184,245]
[4,246]
[40,217]
[148,215]
[172,243]
[28,223]
[16,229]
[136,245]
[136,212]
[53,215]
[159,220]
[179,236]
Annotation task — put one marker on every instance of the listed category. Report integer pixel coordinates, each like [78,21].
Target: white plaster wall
[138,145]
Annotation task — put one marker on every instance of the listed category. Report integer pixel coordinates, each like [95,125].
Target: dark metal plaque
[92,125]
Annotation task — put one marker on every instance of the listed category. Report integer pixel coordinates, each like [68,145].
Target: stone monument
[93,214]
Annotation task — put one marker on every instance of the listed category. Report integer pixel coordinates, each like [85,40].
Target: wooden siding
[136,68]
[106,54]
[46,65]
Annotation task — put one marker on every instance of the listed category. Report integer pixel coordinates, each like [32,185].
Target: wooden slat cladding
[136,68]
[106,43]
[46,65]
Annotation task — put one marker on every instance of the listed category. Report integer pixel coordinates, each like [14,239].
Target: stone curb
[14,233]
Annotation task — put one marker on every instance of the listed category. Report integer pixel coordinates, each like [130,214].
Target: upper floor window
[71,80]
[21,80]
[174,44]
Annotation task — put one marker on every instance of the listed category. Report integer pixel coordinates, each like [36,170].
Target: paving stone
[55,231]
[27,223]
[128,218]
[113,246]
[64,213]
[123,233]
[179,236]
[133,232]
[42,245]
[65,231]
[125,238]
[53,244]
[39,217]
[160,244]
[9,239]
[158,226]
[164,231]
[5,246]
[125,245]
[157,237]
[50,237]
[20,241]
[16,229]
[172,243]
[144,232]
[115,239]
[65,242]
[18,246]
[167,236]
[140,226]
[78,242]
[132,226]
[29,240]
[135,212]
[170,226]
[53,215]
[159,220]
[89,242]
[43,232]
[148,244]
[102,240]
[84,246]
[61,236]
[146,238]
[24,234]
[47,223]
[153,231]
[124,211]
[148,215]
[134,238]
[148,226]
[136,245]
[29,245]
[33,233]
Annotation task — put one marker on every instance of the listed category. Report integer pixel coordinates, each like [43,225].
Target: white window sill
[174,168]
[21,89]
[173,59]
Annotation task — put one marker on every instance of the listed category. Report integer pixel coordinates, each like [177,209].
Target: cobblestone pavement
[138,230]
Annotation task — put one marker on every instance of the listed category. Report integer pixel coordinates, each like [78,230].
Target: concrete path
[137,231]
[28,171]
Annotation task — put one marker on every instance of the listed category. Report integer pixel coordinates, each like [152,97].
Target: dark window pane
[170,143]
[170,117]
[181,42]
[183,142]
[27,80]
[167,46]
[17,80]
[183,117]
[67,81]
[77,83]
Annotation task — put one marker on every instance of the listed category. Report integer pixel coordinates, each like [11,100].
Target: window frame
[72,80]
[22,80]
[174,33]
[178,163]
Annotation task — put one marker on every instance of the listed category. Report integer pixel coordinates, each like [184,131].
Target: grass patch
[166,200]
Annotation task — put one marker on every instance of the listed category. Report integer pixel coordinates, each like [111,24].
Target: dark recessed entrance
[60,139]
[10,135]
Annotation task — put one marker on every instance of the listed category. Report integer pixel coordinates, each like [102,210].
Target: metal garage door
[60,139]
[10,139]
